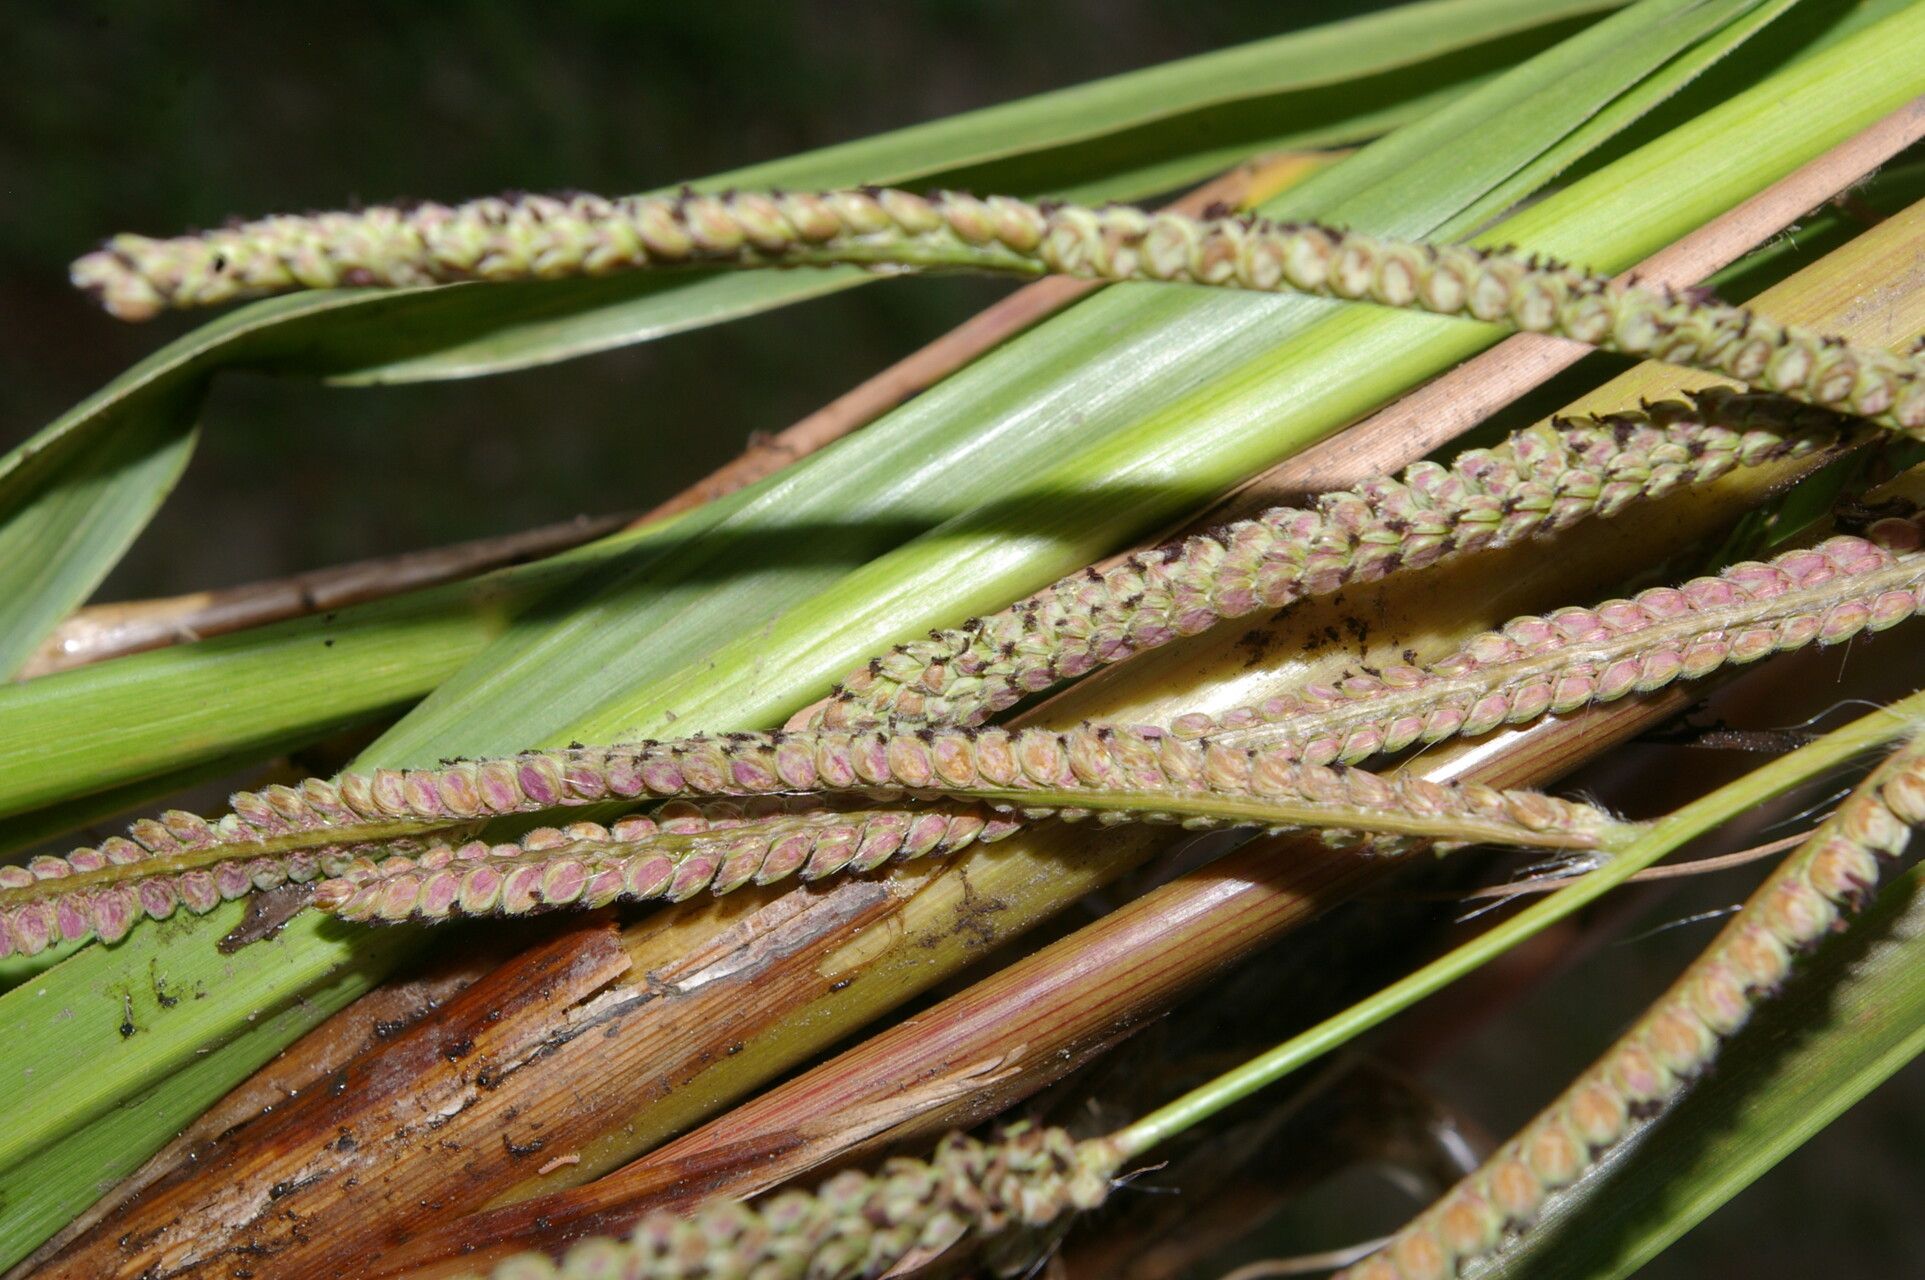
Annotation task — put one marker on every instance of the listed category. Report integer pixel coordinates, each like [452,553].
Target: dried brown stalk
[105,631]
[404,1090]
[359,1028]
[1009,1035]
[718,993]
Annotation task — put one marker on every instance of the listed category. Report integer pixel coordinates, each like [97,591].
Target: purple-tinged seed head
[1874,826]
[46,866]
[1904,792]
[1418,1255]
[287,802]
[375,796]
[322,797]
[869,759]
[72,920]
[882,837]
[835,762]
[648,876]
[497,787]
[604,886]
[265,873]
[1659,668]
[538,778]
[996,760]
[1717,995]
[457,790]
[1226,767]
[582,776]
[119,851]
[909,762]
[230,880]
[751,769]
[1597,1114]
[114,911]
[85,861]
[692,875]
[1843,871]
[520,890]
[1513,1189]
[953,760]
[785,857]
[833,849]
[155,838]
[622,772]
[396,897]
[157,897]
[253,809]
[1636,1076]
[634,828]
[1554,1153]
[562,881]
[199,892]
[1486,713]
[1796,913]
[795,765]
[189,829]
[739,862]
[32,928]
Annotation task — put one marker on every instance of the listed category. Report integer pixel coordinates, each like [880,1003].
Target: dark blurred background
[158,117]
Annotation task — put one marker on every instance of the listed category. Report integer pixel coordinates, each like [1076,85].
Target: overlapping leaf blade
[885,474]
[52,517]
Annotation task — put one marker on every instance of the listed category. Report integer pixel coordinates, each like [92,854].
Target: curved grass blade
[88,509]
[1524,110]
[1134,350]
[1147,118]
[1170,399]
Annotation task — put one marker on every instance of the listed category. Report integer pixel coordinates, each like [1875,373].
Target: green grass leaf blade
[48,1188]
[668,620]
[56,550]
[149,1006]
[83,731]
[1155,367]
[63,541]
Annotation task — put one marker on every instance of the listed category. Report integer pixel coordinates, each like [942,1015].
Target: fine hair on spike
[524,237]
[1541,480]
[1809,895]
[855,1225]
[1102,773]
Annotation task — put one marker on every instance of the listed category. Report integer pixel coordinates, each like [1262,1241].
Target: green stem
[1231,809]
[1661,838]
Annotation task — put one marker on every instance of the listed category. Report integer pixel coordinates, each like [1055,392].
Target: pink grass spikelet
[1807,897]
[1541,480]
